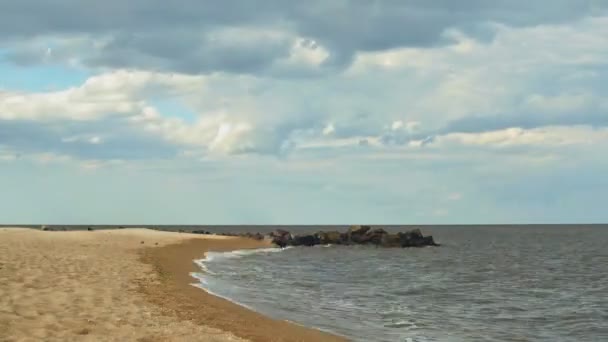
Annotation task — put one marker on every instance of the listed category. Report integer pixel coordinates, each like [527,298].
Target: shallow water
[483,284]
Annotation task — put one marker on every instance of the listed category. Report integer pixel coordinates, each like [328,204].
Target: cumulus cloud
[115,93]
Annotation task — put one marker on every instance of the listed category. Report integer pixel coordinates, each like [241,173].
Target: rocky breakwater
[356,235]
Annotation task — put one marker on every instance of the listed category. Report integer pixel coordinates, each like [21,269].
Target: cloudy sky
[270,112]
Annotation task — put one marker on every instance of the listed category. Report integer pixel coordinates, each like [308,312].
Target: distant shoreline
[222,228]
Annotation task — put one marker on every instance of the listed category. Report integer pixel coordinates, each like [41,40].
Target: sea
[485,283]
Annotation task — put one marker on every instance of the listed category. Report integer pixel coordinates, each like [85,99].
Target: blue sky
[202,112]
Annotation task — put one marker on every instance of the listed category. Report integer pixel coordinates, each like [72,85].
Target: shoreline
[202,270]
[176,293]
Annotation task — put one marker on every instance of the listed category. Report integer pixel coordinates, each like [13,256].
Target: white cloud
[397,125]
[547,136]
[306,52]
[117,93]
[92,165]
[329,129]
[475,78]
[89,139]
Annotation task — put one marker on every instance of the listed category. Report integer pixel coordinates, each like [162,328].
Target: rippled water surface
[483,284]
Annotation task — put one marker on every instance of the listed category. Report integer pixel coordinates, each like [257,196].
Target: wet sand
[121,285]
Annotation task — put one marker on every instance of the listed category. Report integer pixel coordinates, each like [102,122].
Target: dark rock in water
[414,238]
[373,236]
[390,240]
[358,230]
[356,235]
[429,241]
[305,240]
[90,229]
[200,232]
[279,233]
[411,238]
[330,238]
[281,238]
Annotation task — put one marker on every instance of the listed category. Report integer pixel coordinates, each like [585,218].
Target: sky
[303,112]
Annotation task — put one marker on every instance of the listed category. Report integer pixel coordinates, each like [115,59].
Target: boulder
[414,238]
[358,230]
[356,234]
[373,236]
[390,240]
[281,238]
[305,240]
[279,232]
[331,237]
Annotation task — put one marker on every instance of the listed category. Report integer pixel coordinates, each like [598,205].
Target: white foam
[214,256]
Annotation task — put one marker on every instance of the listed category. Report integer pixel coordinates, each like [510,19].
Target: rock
[429,241]
[200,232]
[279,233]
[331,237]
[356,234]
[362,235]
[414,238]
[258,236]
[90,229]
[358,230]
[305,240]
[373,236]
[281,238]
[390,240]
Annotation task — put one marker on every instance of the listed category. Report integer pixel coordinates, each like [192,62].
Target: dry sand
[108,286]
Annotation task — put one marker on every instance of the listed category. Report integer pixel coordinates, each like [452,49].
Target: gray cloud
[191,53]
[170,36]
[118,140]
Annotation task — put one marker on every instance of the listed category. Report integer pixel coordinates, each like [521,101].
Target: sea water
[483,284]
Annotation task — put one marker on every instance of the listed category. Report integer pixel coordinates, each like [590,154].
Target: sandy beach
[122,285]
